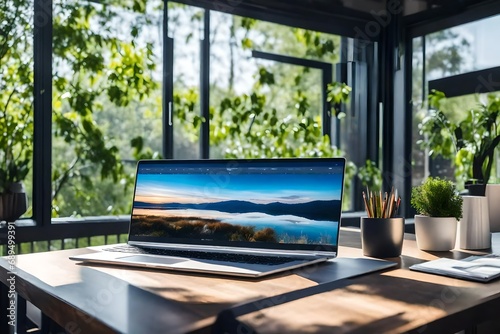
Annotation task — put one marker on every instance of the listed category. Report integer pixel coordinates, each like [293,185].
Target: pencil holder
[382,237]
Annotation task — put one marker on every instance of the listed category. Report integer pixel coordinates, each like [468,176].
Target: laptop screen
[291,204]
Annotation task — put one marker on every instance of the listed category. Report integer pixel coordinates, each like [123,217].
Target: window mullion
[168,88]
[205,88]
[42,112]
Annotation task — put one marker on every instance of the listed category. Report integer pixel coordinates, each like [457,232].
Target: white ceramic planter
[474,227]
[493,196]
[435,233]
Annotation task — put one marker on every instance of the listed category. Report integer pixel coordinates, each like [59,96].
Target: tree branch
[63,179]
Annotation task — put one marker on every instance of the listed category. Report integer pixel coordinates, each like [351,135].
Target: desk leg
[21,315]
[472,330]
[50,326]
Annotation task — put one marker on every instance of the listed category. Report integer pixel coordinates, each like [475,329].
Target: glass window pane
[462,49]
[448,52]
[265,107]
[265,87]
[457,111]
[419,156]
[107,109]
[16,94]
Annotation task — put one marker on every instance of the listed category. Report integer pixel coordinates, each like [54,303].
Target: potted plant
[382,231]
[15,159]
[16,114]
[13,198]
[470,144]
[440,207]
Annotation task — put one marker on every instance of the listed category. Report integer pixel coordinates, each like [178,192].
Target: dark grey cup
[382,237]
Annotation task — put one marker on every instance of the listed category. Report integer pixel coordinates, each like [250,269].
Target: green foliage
[437,198]
[94,68]
[100,70]
[317,44]
[470,143]
[247,129]
[447,50]
[16,154]
[280,116]
[141,152]
[16,92]
[338,93]
[370,176]
[186,107]
[244,127]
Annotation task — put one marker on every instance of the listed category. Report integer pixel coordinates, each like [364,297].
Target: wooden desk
[99,299]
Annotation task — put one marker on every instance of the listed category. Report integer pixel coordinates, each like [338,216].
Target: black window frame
[418,26]
[41,226]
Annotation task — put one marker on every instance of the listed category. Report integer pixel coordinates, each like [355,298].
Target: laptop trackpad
[152,259]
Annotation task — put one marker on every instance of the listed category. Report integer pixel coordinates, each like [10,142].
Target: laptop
[246,218]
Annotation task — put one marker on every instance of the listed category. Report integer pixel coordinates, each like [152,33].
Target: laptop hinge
[242,250]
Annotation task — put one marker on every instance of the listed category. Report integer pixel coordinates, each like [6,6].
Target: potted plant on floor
[440,207]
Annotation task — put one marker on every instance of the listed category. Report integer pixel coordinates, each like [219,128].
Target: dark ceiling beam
[319,15]
[476,82]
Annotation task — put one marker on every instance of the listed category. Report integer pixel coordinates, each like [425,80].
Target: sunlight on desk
[183,287]
[428,278]
[355,308]
[54,272]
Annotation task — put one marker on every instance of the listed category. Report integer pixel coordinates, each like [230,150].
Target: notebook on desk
[233,217]
[481,268]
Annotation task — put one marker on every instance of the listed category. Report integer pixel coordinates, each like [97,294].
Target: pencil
[366,206]
[378,206]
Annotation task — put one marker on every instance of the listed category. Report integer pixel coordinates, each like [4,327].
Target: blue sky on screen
[257,188]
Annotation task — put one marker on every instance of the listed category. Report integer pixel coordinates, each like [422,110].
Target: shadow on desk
[323,308]
[127,308]
[124,306]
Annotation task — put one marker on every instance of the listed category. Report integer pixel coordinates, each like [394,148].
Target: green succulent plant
[437,198]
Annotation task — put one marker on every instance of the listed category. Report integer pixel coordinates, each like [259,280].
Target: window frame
[41,226]
[421,24]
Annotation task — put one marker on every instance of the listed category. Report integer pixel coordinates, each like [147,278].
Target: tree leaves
[469,143]
[16,92]
[107,68]
[338,93]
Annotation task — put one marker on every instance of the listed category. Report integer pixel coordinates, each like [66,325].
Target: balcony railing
[65,233]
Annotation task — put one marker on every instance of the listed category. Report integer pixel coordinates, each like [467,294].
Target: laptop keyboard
[227,257]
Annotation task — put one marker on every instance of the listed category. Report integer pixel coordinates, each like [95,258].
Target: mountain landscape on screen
[320,210]
[250,208]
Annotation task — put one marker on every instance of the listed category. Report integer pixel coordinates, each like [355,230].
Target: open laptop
[234,217]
